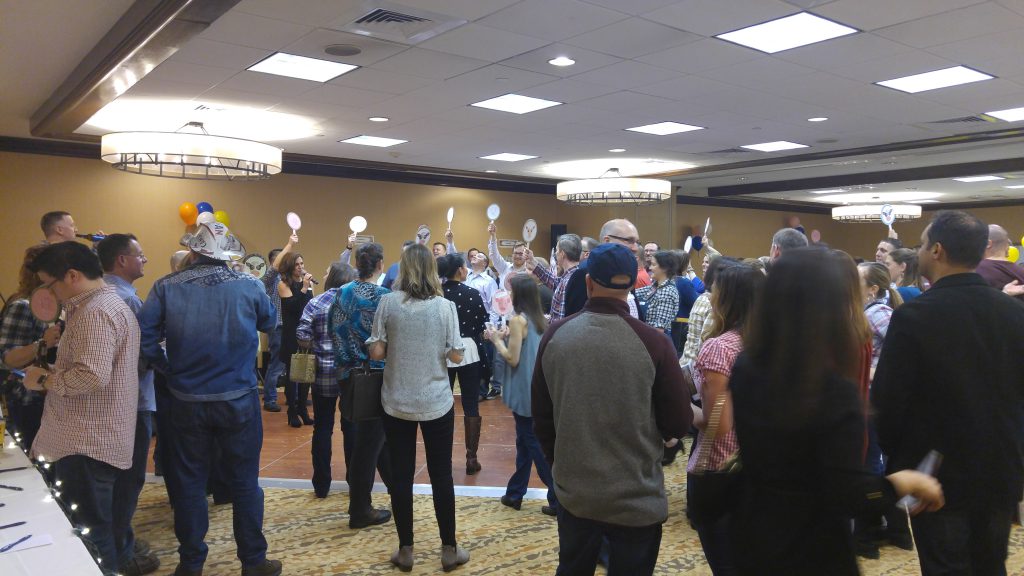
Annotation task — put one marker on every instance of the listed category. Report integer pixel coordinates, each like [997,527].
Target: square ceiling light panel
[373,141]
[953,76]
[788,32]
[301,67]
[507,157]
[970,179]
[516,104]
[1009,115]
[665,128]
[774,146]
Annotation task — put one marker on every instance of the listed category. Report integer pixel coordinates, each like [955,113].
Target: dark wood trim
[969,138]
[798,207]
[905,175]
[146,35]
[972,205]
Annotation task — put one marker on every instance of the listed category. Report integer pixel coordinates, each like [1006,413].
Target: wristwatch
[42,380]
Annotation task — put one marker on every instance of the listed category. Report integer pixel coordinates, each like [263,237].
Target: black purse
[711,494]
[360,399]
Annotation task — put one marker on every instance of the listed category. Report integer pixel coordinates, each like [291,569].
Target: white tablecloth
[67,555]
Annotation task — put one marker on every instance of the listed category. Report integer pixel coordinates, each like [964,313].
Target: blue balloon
[698,242]
[204,207]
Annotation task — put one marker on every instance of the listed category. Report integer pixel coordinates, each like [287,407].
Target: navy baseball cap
[610,260]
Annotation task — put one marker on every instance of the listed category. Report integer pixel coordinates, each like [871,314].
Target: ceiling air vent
[730,151]
[963,120]
[395,22]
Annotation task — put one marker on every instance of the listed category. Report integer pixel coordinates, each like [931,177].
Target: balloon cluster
[698,242]
[202,213]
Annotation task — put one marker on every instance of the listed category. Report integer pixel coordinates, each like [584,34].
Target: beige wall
[102,198]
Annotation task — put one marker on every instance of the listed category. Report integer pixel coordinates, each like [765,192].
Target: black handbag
[711,494]
[360,398]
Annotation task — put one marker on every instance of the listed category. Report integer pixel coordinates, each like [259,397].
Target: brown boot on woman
[472,425]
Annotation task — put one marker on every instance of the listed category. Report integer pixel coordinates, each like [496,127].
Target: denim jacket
[209,316]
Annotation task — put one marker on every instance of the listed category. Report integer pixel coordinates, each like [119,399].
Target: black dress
[291,313]
[803,482]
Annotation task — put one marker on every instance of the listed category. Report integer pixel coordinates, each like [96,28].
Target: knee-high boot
[472,424]
[300,404]
[290,391]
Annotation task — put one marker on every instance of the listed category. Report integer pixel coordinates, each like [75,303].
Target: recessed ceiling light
[507,157]
[377,119]
[817,119]
[935,79]
[1009,115]
[923,201]
[789,32]
[491,171]
[617,150]
[561,61]
[293,66]
[1018,187]
[774,146]
[665,128]
[373,141]
[979,178]
[516,104]
[833,191]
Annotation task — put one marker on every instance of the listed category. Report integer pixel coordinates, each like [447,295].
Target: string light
[57,483]
[74,507]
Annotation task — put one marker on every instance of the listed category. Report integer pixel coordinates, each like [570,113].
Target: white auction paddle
[688,245]
[451,215]
[493,211]
[529,232]
[357,224]
[293,221]
[707,228]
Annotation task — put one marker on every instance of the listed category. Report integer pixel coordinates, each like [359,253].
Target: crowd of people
[812,383]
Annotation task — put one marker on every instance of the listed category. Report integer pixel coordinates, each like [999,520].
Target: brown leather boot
[472,424]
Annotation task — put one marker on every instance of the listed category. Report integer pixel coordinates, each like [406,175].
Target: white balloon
[206,218]
[357,224]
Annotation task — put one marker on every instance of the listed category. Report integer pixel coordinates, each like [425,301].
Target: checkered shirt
[716,355]
[662,304]
[313,326]
[701,310]
[18,328]
[878,318]
[558,284]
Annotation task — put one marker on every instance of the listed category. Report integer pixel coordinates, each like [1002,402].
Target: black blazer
[950,379]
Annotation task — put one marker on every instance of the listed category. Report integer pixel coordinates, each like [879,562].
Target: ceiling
[637,62]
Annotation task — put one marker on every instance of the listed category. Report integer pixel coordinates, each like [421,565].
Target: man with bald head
[617,231]
[996,268]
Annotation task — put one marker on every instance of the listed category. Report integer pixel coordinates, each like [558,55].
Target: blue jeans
[128,487]
[964,542]
[237,427]
[498,372]
[275,369]
[528,453]
[90,484]
[632,550]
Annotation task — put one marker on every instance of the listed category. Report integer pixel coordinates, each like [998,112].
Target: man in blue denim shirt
[209,316]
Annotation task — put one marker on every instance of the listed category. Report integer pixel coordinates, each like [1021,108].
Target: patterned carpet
[311,536]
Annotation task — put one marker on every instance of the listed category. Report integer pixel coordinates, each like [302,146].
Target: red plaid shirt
[716,355]
[93,391]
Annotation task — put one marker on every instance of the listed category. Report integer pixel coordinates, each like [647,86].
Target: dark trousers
[90,484]
[237,428]
[25,418]
[679,330]
[487,354]
[468,375]
[128,487]
[529,454]
[437,441]
[162,423]
[964,542]
[320,448]
[632,550]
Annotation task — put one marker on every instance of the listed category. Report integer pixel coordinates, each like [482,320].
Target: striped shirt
[717,355]
[93,391]
[313,325]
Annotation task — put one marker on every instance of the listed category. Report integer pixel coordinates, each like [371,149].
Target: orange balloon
[188,213]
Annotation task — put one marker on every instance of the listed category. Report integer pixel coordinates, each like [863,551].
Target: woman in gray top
[520,354]
[416,330]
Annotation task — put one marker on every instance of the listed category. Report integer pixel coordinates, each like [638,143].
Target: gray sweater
[419,334]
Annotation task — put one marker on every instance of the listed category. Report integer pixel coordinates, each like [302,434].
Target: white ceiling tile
[626,75]
[565,90]
[269,84]
[998,54]
[961,24]
[465,9]
[874,14]
[625,101]
[210,53]
[496,79]
[632,38]
[429,64]
[711,17]
[537,60]
[886,104]
[315,110]
[1015,5]
[312,45]
[686,88]
[173,71]
[553,20]
[484,43]
[634,7]
[701,55]
[895,66]
[841,52]
[978,97]
[381,81]
[228,97]
[762,73]
[344,96]
[255,31]
[157,89]
[309,12]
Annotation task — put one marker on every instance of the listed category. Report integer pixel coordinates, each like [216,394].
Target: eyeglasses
[628,241]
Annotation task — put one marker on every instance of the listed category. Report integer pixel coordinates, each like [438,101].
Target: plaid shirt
[662,304]
[878,314]
[270,280]
[558,284]
[313,326]
[93,391]
[717,355]
[18,328]
[700,311]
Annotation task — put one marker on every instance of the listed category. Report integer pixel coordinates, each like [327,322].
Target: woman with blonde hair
[416,330]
